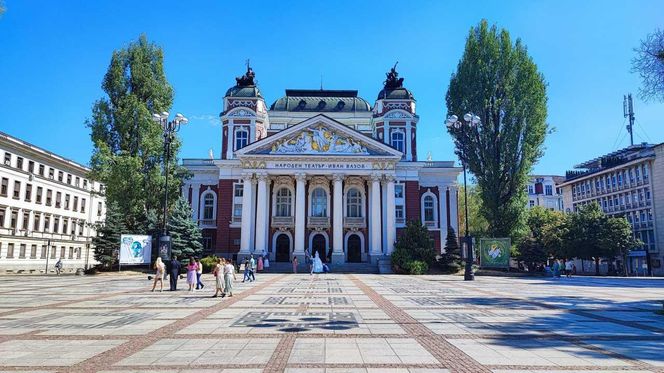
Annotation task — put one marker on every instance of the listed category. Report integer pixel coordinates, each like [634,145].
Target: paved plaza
[332,323]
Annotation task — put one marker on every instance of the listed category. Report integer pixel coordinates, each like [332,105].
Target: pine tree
[451,259]
[186,237]
[107,242]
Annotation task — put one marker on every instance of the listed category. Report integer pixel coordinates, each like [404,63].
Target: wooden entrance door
[354,249]
[283,248]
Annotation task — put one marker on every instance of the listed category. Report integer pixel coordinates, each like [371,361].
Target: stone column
[8,217]
[229,140]
[442,216]
[390,207]
[31,221]
[299,213]
[337,220]
[376,239]
[252,225]
[19,219]
[195,201]
[261,212]
[247,214]
[454,214]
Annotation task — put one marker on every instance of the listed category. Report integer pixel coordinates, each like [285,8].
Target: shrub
[208,263]
[416,267]
[450,261]
[414,244]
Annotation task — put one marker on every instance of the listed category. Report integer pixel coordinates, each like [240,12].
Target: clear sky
[53,55]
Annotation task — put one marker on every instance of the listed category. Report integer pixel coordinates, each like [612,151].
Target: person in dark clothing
[174,272]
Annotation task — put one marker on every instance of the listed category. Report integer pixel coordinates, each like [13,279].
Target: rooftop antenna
[248,66]
[321,82]
[628,112]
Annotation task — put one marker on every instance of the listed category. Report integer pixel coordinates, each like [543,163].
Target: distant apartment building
[544,191]
[47,209]
[630,183]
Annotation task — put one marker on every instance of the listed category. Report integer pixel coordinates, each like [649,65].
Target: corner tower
[244,118]
[394,117]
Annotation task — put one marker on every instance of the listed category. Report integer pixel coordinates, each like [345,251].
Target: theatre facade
[320,171]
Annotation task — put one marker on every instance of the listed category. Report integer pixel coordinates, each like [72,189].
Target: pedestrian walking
[199,274]
[174,272]
[259,266]
[252,267]
[569,267]
[294,264]
[58,267]
[556,269]
[160,270]
[266,264]
[218,273]
[229,277]
[246,276]
[191,273]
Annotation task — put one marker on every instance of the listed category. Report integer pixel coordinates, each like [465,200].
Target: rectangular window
[26,220]
[99,208]
[398,212]
[28,192]
[17,190]
[62,252]
[237,210]
[21,251]
[31,167]
[4,187]
[78,253]
[78,181]
[238,190]
[8,159]
[49,197]
[2,217]
[66,201]
[14,219]
[58,199]
[41,170]
[19,163]
[241,138]
[54,252]
[75,207]
[69,179]
[71,253]
[51,173]
[548,190]
[38,198]
[532,203]
[35,222]
[65,225]
[531,189]
[10,250]
[398,191]
[43,252]
[85,183]
[83,205]
[81,225]
[56,224]
[60,176]
[47,223]
[33,252]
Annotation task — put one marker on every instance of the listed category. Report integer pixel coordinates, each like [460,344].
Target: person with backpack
[58,267]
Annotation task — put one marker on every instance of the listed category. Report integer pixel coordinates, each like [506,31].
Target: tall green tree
[544,237]
[186,237]
[477,223]
[107,241]
[649,64]
[128,153]
[498,81]
[617,238]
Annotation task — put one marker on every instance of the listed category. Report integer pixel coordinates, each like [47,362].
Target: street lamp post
[169,128]
[469,120]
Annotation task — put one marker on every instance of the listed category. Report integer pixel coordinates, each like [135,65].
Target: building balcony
[351,222]
[283,221]
[431,224]
[318,222]
[400,221]
[207,223]
[236,220]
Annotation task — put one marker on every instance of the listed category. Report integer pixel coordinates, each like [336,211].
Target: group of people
[194,270]
[251,266]
[315,264]
[567,269]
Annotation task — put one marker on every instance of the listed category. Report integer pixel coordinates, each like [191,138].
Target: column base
[338,258]
[374,258]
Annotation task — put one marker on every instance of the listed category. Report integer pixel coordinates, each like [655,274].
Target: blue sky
[55,53]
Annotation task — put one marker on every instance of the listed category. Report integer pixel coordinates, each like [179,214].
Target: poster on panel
[495,252]
[135,249]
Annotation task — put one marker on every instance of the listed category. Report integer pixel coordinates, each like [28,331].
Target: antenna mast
[628,112]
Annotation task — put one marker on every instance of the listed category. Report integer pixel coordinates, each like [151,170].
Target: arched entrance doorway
[318,243]
[282,252]
[354,249]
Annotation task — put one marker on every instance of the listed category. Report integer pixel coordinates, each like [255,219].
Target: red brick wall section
[412,198]
[224,215]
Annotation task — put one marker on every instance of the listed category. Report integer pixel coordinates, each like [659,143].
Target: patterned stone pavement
[332,323]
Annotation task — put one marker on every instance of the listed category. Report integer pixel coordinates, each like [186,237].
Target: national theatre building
[319,170]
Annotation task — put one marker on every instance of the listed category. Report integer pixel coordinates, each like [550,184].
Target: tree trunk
[596,266]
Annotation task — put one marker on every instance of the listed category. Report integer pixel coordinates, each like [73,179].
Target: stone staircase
[281,267]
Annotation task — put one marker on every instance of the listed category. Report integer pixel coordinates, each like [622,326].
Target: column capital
[246,176]
[300,176]
[262,176]
[338,177]
[388,179]
[376,177]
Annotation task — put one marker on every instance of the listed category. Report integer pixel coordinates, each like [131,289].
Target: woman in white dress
[160,269]
[317,266]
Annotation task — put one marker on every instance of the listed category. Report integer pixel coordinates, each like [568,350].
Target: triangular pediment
[319,136]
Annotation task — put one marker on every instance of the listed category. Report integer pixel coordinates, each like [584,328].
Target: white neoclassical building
[47,209]
[319,170]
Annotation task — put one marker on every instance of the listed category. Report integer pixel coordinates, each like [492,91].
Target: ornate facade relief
[319,140]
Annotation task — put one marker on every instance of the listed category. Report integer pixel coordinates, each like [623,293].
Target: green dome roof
[321,101]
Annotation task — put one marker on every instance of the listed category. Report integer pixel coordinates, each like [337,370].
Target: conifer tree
[186,237]
[451,259]
[107,241]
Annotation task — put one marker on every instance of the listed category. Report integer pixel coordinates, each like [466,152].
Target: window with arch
[354,203]
[429,208]
[429,211]
[283,202]
[319,203]
[208,207]
[241,138]
[398,141]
